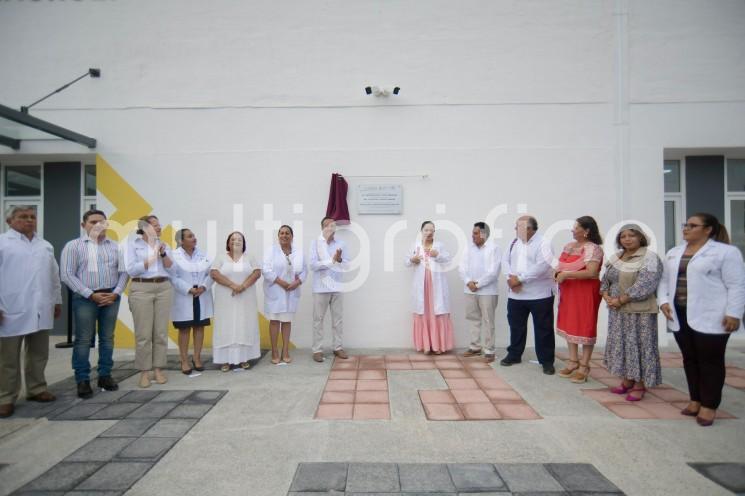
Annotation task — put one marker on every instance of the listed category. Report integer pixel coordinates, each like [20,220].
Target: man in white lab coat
[30,298]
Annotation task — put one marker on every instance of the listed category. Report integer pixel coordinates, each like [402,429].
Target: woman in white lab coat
[192,298]
[235,339]
[702,294]
[284,272]
[433,330]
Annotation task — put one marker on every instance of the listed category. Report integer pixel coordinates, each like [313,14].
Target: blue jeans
[86,314]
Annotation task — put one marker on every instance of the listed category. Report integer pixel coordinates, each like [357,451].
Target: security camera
[396,90]
[368,90]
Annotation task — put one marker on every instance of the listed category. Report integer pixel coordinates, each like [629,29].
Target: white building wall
[564,107]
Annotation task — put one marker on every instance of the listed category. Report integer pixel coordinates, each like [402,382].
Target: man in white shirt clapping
[30,298]
[479,270]
[328,262]
[527,266]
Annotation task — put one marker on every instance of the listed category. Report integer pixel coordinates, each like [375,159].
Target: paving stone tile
[423,365]
[469,396]
[545,493]
[100,396]
[31,409]
[728,475]
[462,384]
[153,409]
[528,477]
[736,382]
[483,373]
[580,477]
[320,477]
[115,476]
[147,448]
[371,411]
[115,411]
[478,366]
[503,395]
[604,395]
[129,428]
[397,358]
[662,410]
[94,493]
[340,365]
[371,374]
[516,411]
[335,411]
[341,385]
[455,374]
[448,365]
[327,493]
[372,365]
[372,477]
[63,476]
[343,374]
[210,397]
[479,411]
[190,410]
[372,385]
[436,396]
[398,365]
[338,397]
[139,396]
[420,357]
[629,411]
[173,396]
[469,477]
[492,383]
[420,477]
[669,394]
[40,493]
[371,397]
[171,428]
[735,371]
[80,411]
[100,449]
[442,411]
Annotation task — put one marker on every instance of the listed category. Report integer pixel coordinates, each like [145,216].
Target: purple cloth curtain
[337,207]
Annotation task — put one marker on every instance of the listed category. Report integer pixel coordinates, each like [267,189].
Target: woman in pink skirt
[433,330]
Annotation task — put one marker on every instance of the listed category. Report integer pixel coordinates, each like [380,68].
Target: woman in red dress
[579,296]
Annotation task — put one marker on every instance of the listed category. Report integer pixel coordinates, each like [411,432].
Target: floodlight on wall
[92,72]
[378,91]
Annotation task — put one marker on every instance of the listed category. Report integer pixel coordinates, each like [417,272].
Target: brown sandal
[567,372]
[579,377]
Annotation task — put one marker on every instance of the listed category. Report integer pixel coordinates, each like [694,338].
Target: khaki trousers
[480,311]
[35,361]
[321,302]
[150,304]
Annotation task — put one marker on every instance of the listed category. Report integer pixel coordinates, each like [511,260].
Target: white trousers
[480,310]
[321,302]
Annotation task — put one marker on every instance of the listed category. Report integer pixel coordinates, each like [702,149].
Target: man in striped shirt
[89,266]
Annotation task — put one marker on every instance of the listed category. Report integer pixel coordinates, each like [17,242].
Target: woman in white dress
[235,340]
[284,272]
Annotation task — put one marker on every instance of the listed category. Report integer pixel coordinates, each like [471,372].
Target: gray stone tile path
[728,475]
[461,479]
[149,424]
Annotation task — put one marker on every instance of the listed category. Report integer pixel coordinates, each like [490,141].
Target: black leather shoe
[84,390]
[198,369]
[108,383]
[548,369]
[507,361]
